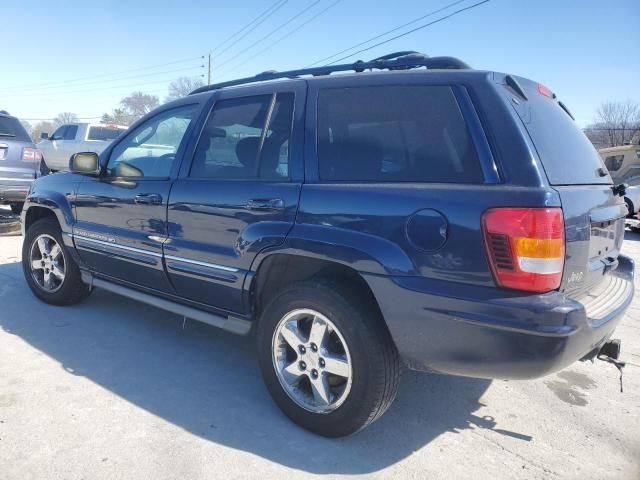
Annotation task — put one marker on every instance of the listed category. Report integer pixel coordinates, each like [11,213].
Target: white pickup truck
[71,138]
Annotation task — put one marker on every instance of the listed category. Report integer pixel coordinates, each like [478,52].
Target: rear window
[104,133]
[394,134]
[11,128]
[567,155]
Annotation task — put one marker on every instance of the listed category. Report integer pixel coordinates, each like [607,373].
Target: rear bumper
[493,333]
[14,191]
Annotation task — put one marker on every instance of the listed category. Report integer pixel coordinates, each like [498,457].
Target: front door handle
[265,204]
[148,199]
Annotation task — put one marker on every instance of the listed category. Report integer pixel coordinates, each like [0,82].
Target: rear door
[593,213]
[239,195]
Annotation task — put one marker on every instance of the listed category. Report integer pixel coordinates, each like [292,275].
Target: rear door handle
[148,199]
[265,204]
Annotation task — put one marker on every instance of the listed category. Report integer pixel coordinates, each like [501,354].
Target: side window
[59,133]
[70,132]
[614,162]
[246,138]
[150,149]
[394,134]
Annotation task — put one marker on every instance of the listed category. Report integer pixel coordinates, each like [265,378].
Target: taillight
[525,247]
[31,154]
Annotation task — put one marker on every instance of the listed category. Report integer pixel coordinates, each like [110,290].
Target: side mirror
[44,136]
[85,163]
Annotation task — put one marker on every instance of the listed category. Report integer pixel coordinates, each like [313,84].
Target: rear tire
[50,271]
[368,365]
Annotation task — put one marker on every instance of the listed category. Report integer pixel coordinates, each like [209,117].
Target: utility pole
[209,72]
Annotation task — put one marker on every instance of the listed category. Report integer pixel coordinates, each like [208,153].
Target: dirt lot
[115,389]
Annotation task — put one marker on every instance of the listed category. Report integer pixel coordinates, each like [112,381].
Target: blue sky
[586,51]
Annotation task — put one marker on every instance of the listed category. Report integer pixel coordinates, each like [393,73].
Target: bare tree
[65,117]
[183,86]
[41,127]
[139,104]
[616,123]
[131,109]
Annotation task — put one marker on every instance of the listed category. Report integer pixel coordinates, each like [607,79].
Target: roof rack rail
[394,61]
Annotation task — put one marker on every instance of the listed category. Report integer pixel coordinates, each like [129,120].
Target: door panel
[118,237]
[239,196]
[121,216]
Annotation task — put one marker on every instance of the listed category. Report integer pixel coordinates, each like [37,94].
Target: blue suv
[409,212]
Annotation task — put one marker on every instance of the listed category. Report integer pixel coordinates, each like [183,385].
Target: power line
[94,82]
[400,27]
[457,12]
[149,67]
[231,37]
[77,92]
[262,20]
[285,36]
[272,32]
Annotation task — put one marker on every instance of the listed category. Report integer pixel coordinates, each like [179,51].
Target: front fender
[56,193]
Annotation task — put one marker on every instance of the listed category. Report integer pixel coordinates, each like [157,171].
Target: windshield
[104,133]
[567,155]
[10,127]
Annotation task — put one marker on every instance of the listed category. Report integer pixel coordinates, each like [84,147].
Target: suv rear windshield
[11,127]
[567,155]
[104,133]
[408,133]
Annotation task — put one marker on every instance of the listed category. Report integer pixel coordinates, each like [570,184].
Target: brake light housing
[31,154]
[525,247]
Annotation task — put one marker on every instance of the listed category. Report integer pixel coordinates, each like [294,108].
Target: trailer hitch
[610,353]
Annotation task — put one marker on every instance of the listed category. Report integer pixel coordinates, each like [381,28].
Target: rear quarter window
[394,134]
[104,133]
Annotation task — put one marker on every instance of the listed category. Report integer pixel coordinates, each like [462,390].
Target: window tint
[567,155]
[10,127]
[59,133]
[150,149]
[614,162]
[242,141]
[70,132]
[394,134]
[106,133]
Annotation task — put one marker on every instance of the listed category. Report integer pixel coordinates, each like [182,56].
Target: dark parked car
[19,162]
[443,218]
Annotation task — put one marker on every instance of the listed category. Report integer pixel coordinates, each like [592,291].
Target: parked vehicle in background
[623,163]
[435,216]
[76,137]
[19,162]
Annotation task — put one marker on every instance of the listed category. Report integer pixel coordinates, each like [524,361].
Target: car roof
[391,64]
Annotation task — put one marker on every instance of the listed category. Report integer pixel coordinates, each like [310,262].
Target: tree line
[129,109]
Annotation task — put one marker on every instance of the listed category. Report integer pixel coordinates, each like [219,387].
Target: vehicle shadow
[208,382]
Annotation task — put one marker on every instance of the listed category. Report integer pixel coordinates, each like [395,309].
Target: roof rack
[394,61]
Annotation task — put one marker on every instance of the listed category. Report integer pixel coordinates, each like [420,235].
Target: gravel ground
[115,389]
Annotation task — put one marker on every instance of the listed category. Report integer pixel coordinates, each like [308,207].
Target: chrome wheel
[312,361]
[47,263]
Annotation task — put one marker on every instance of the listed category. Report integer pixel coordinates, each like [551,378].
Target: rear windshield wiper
[6,134]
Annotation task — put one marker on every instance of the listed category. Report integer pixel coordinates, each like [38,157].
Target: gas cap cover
[427,229]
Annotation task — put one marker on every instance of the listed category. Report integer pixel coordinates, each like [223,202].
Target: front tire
[48,267]
[327,358]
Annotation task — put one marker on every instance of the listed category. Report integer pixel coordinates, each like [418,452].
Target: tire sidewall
[354,412]
[71,283]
